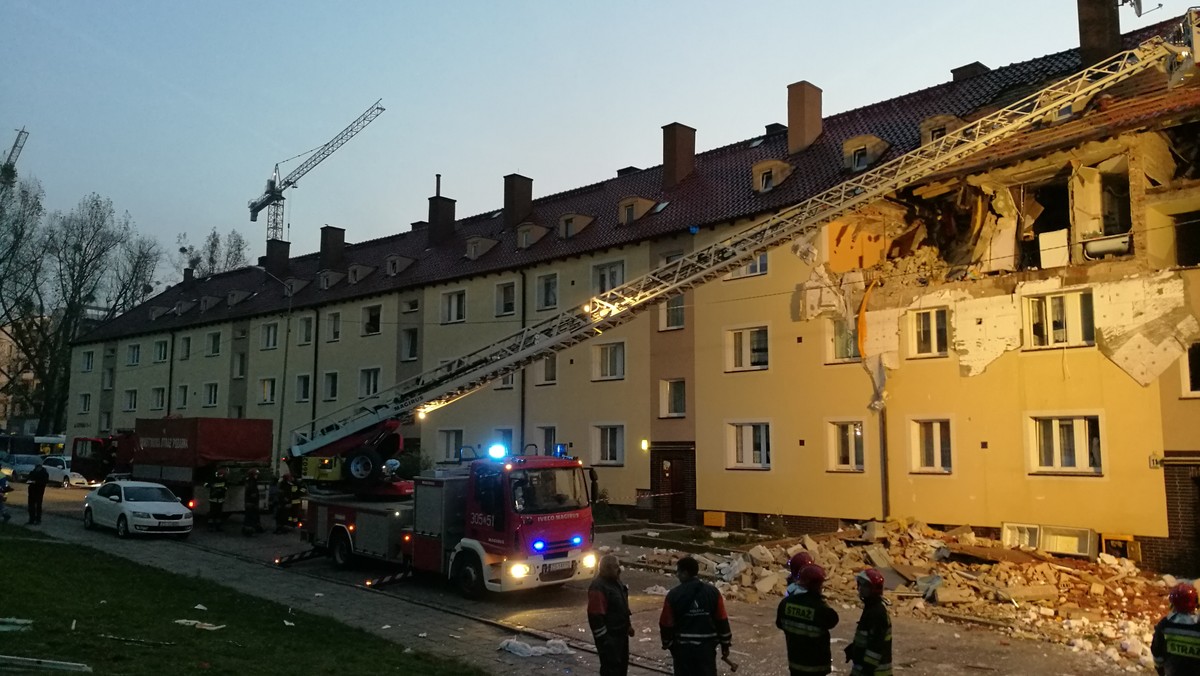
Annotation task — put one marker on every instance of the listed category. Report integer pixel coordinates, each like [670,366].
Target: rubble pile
[1108,607]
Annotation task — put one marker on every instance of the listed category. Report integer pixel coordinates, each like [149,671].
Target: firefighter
[287,504]
[795,565]
[806,619]
[217,490]
[608,615]
[871,651]
[1176,644]
[251,523]
[693,622]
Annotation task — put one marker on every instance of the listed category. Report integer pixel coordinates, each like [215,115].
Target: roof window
[862,151]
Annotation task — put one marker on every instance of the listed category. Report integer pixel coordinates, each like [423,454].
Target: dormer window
[629,214]
[357,273]
[766,181]
[768,174]
[938,126]
[631,209]
[528,234]
[859,160]
[937,133]
[325,282]
[208,302]
[478,246]
[234,297]
[570,225]
[860,152]
[353,275]
[328,278]
[397,264]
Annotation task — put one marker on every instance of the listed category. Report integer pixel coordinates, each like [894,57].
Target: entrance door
[673,482]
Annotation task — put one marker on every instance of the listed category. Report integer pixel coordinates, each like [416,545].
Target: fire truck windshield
[543,491]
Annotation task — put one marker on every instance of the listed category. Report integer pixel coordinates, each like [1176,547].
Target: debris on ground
[15,624]
[202,625]
[522,649]
[656,590]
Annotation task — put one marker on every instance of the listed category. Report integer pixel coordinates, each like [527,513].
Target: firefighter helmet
[1183,598]
[811,577]
[253,474]
[870,583]
[221,472]
[798,562]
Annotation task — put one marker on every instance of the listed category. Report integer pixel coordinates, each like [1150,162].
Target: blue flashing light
[497,451]
[539,545]
[577,540]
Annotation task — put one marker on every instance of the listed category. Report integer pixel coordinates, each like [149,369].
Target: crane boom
[17,146]
[272,197]
[467,373]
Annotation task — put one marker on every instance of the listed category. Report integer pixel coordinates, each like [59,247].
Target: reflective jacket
[608,609]
[217,489]
[693,615]
[806,619]
[1176,645]
[871,651]
[251,495]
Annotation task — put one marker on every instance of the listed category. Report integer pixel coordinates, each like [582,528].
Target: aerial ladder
[350,431]
[8,169]
[272,197]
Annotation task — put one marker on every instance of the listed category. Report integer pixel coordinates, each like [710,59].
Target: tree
[64,273]
[214,255]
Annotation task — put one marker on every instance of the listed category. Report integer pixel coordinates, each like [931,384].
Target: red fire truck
[500,523]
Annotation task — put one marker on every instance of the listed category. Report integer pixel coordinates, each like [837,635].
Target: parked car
[22,465]
[136,508]
[59,469]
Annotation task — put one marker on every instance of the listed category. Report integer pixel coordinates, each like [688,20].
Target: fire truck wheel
[468,575]
[342,552]
[363,465]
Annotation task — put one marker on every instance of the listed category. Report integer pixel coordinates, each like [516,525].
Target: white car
[136,508]
[59,469]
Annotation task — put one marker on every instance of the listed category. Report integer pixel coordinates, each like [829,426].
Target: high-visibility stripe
[600,632]
[712,635]
[809,668]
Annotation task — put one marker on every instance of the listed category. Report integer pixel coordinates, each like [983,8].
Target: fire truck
[498,523]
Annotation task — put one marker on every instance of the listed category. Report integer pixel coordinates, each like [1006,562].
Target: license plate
[558,565]
[167,524]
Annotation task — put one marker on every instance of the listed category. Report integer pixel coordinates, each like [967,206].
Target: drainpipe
[170,373]
[318,377]
[521,428]
[884,491]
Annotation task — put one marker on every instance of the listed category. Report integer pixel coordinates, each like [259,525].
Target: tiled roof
[718,190]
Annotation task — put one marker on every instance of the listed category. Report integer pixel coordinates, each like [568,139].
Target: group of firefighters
[285,500]
[693,623]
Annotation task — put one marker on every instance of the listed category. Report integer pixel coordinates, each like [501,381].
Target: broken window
[929,332]
[1060,320]
[845,340]
[1187,238]
[1068,444]
[1115,200]
[1050,250]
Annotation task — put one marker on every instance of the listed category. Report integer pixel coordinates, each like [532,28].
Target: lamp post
[287,341]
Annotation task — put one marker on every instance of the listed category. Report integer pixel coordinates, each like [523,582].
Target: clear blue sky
[178,111]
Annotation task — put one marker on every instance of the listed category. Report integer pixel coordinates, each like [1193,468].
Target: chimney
[189,276]
[1099,30]
[804,115]
[679,153]
[518,199]
[333,248]
[968,71]
[276,260]
[441,216]
[775,128]
[625,171]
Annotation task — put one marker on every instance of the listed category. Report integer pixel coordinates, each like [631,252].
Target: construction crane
[8,170]
[800,223]
[272,197]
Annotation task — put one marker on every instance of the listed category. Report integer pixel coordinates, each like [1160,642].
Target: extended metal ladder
[469,372]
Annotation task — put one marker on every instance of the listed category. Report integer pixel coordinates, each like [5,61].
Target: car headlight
[518,570]
[589,560]
[141,515]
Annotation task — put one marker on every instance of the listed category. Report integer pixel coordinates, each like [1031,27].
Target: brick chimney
[968,71]
[441,216]
[333,248]
[1099,30]
[518,199]
[277,258]
[804,115]
[189,276]
[679,153]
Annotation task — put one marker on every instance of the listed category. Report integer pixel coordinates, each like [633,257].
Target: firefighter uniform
[251,522]
[217,490]
[693,622]
[608,615]
[287,504]
[806,619]
[1176,645]
[871,651]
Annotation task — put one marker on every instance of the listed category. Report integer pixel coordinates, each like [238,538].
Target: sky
[178,111]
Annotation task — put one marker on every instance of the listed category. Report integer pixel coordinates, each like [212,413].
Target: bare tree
[68,270]
[214,255]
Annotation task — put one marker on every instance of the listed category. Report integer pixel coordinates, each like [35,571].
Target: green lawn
[57,584]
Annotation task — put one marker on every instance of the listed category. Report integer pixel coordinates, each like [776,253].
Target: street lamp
[287,341]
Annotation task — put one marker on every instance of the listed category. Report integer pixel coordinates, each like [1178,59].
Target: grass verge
[76,595]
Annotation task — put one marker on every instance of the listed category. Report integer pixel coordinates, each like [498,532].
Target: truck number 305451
[481,519]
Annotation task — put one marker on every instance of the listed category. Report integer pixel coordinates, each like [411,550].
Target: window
[1069,444]
[1191,371]
[549,439]
[750,445]
[181,396]
[1060,320]
[303,387]
[610,444]
[844,340]
[266,391]
[158,398]
[106,379]
[270,336]
[213,348]
[671,316]
[858,161]
[547,291]
[504,437]
[608,361]
[210,394]
[105,421]
[408,344]
[929,333]
[89,360]
[410,305]
[85,402]
[847,445]
[505,382]
[130,400]
[239,364]
[335,326]
[608,276]
[331,385]
[932,446]
[547,374]
[304,335]
[568,227]
[372,316]
[506,299]
[630,214]
[672,398]
[756,267]
[454,307]
[937,133]
[160,351]
[185,347]
[133,355]
[747,349]
[766,181]
[368,382]
[450,441]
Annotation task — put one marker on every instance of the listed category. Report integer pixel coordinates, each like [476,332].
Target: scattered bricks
[873,530]
[761,555]
[1037,592]
[944,595]
[1096,589]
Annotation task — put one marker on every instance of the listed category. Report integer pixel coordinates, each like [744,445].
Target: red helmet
[870,583]
[1183,598]
[811,577]
[798,562]
[221,472]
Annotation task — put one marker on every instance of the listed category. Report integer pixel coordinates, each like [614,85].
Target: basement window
[1187,238]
